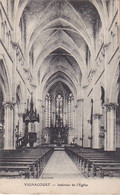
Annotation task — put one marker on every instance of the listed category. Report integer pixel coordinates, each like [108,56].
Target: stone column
[110,134]
[1,136]
[43,125]
[87,123]
[53,118]
[80,122]
[75,133]
[20,115]
[39,125]
[9,135]
[96,130]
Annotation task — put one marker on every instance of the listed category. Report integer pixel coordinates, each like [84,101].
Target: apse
[59,113]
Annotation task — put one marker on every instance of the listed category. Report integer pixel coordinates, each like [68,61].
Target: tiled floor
[60,166]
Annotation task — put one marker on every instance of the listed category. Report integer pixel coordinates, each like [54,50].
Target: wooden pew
[111,171]
[92,167]
[15,171]
[35,159]
[31,165]
[89,160]
[86,162]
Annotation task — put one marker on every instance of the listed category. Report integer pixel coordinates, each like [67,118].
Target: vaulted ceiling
[59,35]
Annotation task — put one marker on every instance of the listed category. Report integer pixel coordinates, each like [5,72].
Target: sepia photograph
[59,96]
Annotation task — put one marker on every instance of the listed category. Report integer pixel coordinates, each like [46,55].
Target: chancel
[59,114]
[59,88]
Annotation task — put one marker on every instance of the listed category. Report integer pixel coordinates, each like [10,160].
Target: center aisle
[60,166]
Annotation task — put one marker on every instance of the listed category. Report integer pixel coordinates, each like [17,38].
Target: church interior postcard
[60,96]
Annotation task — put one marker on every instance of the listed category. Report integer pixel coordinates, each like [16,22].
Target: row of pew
[24,163]
[94,162]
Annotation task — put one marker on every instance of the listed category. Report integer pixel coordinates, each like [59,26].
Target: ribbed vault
[61,36]
[56,78]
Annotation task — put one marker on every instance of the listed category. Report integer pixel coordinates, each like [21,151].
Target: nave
[61,166]
[69,162]
[59,86]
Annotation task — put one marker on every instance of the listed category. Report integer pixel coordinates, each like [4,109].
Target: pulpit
[30,116]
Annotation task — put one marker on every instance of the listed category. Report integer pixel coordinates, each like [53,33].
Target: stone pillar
[80,122]
[96,130]
[87,123]
[70,137]
[20,115]
[75,122]
[9,135]
[110,134]
[39,125]
[43,125]
[1,136]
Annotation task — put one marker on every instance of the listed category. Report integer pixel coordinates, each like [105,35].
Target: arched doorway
[59,114]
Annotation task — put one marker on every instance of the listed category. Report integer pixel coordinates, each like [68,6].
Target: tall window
[70,111]
[59,111]
[48,110]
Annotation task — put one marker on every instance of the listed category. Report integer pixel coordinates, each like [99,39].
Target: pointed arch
[69,23]
[57,78]
[55,45]
[53,72]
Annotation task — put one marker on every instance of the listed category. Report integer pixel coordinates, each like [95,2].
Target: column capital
[111,106]
[97,115]
[9,104]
